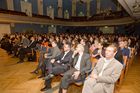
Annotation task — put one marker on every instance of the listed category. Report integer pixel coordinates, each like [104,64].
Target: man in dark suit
[32,43]
[80,66]
[42,49]
[25,41]
[31,49]
[22,51]
[58,65]
[27,48]
[86,48]
[52,53]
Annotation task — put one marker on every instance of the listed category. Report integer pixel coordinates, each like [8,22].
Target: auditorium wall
[69,29]
[131,29]
[108,4]
[81,8]
[137,29]
[4,29]
[29,27]
[3,4]
[107,30]
[67,5]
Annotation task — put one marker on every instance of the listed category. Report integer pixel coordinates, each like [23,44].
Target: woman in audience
[97,53]
[74,45]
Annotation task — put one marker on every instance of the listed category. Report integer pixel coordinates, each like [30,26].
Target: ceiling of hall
[132,7]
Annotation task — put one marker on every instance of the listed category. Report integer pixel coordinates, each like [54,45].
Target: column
[40,7]
[88,8]
[98,6]
[73,7]
[60,8]
[10,4]
[119,8]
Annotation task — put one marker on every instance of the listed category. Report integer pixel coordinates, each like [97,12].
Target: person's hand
[45,55]
[93,55]
[25,46]
[92,76]
[53,60]
[76,74]
[95,76]
[99,51]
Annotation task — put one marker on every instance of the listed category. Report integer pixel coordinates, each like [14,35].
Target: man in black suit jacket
[32,43]
[27,49]
[31,49]
[45,56]
[59,65]
[80,66]
[23,46]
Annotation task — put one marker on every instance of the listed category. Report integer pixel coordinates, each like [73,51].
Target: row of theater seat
[94,61]
[124,73]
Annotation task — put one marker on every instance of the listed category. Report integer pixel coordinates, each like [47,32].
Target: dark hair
[69,44]
[84,40]
[54,41]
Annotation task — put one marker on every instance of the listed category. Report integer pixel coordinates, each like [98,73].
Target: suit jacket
[25,42]
[86,49]
[55,51]
[105,83]
[32,44]
[66,60]
[85,64]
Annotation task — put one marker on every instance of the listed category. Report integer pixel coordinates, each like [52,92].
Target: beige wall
[107,30]
[4,28]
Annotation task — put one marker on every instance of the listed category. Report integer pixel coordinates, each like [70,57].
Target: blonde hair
[81,47]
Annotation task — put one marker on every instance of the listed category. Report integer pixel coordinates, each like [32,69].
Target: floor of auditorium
[16,78]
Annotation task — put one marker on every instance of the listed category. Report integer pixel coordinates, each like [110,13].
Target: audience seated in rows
[71,54]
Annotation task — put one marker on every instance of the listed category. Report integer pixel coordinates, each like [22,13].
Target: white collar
[66,52]
[108,60]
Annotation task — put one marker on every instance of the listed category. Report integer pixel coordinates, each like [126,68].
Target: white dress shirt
[64,55]
[106,62]
[77,66]
[30,43]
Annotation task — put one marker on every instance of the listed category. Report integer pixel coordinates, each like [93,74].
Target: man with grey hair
[105,74]
[80,66]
